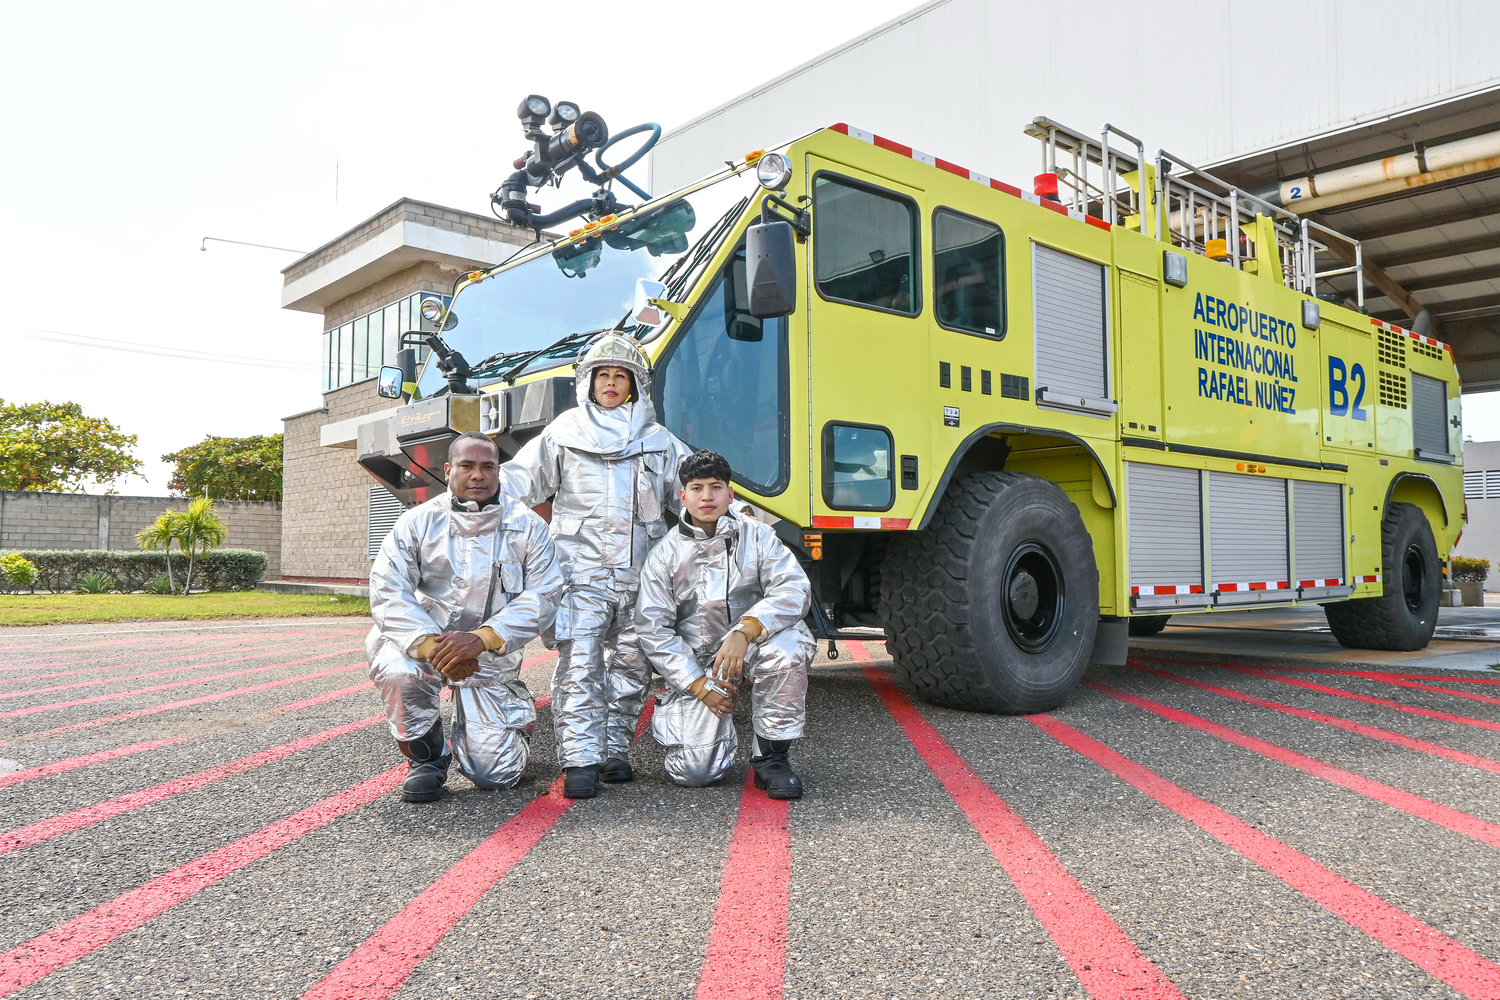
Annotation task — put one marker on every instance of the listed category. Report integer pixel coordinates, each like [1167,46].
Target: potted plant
[1469,574]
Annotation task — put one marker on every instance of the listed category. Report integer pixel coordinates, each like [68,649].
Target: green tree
[53,447]
[198,530]
[160,534]
[228,468]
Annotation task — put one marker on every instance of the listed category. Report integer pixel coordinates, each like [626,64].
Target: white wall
[1209,81]
[1481,537]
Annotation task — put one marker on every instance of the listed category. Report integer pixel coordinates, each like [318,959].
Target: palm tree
[199,529]
[160,535]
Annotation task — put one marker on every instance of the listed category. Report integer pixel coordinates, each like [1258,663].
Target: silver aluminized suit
[611,474]
[438,571]
[694,589]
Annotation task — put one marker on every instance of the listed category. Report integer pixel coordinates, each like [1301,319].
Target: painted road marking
[59,766]
[1395,681]
[1441,956]
[65,944]
[1463,720]
[1373,732]
[1414,805]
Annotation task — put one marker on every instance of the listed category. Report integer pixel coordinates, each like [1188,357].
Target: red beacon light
[1045,186]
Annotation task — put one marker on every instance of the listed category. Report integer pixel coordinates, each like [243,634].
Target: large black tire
[993,607]
[1403,619]
[1148,624]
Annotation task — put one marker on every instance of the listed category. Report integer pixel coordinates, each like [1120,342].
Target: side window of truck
[865,241]
[968,274]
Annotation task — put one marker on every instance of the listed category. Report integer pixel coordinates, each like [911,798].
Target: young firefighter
[461,584]
[607,465]
[722,598]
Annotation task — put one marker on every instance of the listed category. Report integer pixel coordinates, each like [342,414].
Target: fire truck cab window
[722,384]
[968,274]
[865,242]
[857,468]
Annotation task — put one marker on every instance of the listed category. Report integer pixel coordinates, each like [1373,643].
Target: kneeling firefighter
[610,470]
[461,584]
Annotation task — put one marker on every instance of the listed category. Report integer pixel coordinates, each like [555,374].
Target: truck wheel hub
[1033,597]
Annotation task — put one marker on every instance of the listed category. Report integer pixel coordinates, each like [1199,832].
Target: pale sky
[134,130]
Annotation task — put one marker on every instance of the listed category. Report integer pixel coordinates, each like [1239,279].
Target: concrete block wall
[83,521]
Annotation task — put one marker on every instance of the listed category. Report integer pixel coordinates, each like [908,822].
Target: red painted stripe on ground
[381,964]
[46,953]
[212,642]
[59,766]
[379,967]
[160,673]
[317,699]
[746,956]
[1414,805]
[1441,956]
[78,819]
[1348,725]
[1102,956]
[213,648]
[541,658]
[1463,720]
[1381,674]
[200,700]
[32,709]
[1402,682]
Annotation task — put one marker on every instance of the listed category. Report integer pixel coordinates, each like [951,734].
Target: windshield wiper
[515,362]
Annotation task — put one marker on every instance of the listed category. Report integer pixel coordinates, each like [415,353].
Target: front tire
[1404,617]
[994,606]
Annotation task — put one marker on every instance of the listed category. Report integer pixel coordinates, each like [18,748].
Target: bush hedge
[58,570]
[1469,570]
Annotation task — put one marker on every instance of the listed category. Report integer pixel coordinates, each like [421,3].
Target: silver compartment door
[1247,527]
[1072,331]
[1164,518]
[1429,418]
[1318,533]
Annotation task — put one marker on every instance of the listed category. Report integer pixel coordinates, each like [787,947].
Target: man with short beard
[461,584]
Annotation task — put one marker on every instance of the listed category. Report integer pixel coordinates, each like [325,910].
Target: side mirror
[389,385]
[643,310]
[771,269]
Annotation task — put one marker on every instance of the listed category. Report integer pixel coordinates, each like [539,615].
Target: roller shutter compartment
[1072,331]
[1164,516]
[1318,539]
[1429,418]
[1247,527]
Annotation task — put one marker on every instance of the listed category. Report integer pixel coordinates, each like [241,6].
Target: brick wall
[81,521]
[326,493]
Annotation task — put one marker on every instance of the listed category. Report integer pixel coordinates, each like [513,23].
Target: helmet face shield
[613,350]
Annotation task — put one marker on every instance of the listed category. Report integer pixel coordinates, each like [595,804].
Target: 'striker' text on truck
[1000,429]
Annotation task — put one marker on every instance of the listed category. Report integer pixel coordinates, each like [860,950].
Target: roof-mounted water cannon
[575,133]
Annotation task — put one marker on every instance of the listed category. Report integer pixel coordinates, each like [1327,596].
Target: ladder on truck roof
[1195,210]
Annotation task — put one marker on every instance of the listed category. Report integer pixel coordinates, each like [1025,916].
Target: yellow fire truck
[1001,428]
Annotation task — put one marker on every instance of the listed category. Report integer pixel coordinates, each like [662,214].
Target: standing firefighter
[607,466]
[461,584]
[722,598]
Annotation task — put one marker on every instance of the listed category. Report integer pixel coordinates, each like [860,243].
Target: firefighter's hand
[717,703]
[729,661]
[457,654]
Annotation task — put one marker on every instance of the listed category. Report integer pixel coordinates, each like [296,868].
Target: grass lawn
[67,609]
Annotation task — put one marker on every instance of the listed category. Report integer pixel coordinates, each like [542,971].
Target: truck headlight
[773,171]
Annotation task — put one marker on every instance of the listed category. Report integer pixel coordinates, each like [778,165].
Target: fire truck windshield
[586,286]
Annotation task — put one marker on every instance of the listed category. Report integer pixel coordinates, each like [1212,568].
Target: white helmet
[613,350]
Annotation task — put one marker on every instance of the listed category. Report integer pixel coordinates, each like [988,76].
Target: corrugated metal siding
[1164,512]
[1070,333]
[1429,414]
[384,510]
[1318,526]
[1247,528]
[984,60]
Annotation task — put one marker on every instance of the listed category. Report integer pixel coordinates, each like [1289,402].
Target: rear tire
[1143,625]
[993,607]
[1402,619]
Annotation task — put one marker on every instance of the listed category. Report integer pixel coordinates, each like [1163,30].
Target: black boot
[581,782]
[772,772]
[615,771]
[428,769]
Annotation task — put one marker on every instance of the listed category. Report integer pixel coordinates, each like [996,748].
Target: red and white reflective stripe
[902,149]
[1226,588]
[1195,588]
[1367,579]
[1331,582]
[884,523]
[1414,336]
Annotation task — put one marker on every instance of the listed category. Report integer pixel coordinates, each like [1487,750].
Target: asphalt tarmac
[211,810]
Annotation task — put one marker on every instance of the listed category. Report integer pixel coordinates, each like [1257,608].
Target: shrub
[58,570]
[94,582]
[1467,569]
[16,571]
[158,585]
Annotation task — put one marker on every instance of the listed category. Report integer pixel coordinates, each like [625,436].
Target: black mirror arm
[800,218]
